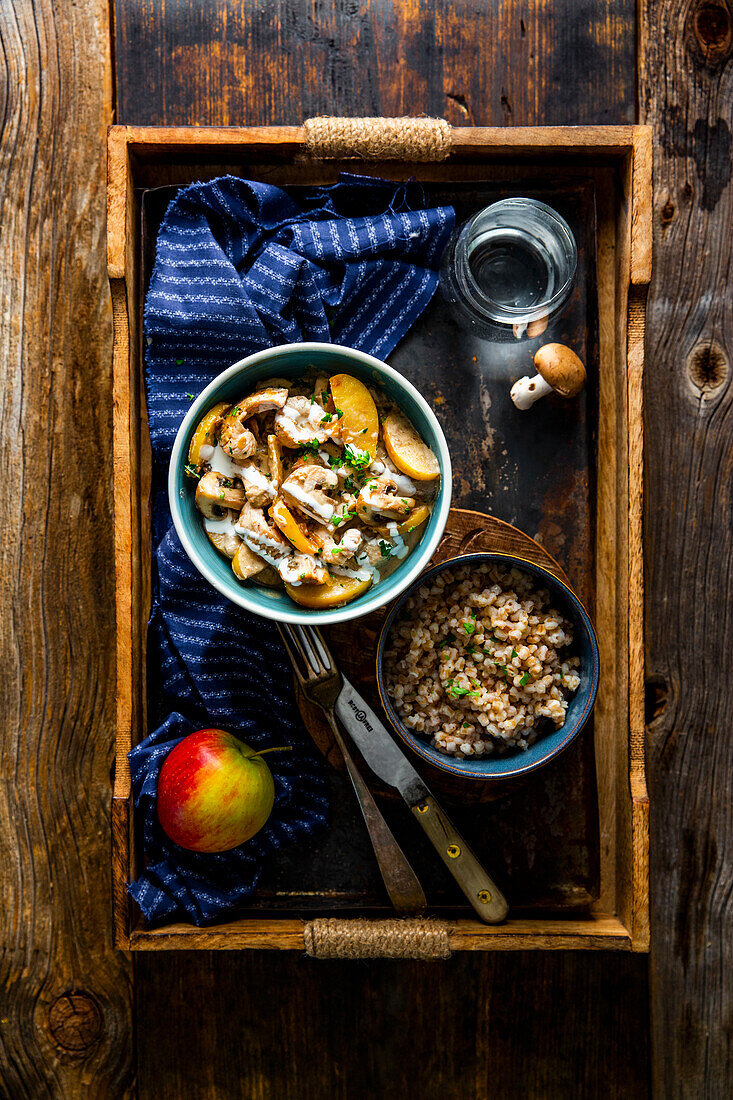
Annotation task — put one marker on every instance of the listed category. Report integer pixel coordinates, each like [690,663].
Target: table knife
[390,764]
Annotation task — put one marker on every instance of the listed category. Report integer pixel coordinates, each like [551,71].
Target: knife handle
[486,898]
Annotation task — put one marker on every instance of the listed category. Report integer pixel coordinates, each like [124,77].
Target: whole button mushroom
[558,368]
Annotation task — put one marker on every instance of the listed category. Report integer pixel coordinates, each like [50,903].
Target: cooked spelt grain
[474,661]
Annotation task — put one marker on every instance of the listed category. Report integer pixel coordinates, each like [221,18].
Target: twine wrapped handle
[411,139]
[333,938]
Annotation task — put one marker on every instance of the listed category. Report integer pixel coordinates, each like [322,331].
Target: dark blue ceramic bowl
[585,646]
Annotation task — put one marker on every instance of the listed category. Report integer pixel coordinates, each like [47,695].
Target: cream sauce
[257,478]
[320,510]
[220,462]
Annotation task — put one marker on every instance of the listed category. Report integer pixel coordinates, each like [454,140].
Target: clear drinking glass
[509,269]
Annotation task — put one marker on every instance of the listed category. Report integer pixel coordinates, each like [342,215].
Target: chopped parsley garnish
[470,627]
[312,447]
[348,513]
[355,458]
[363,431]
[449,640]
[457,692]
[471,649]
[326,419]
[340,413]
[465,725]
[179,362]
[192,471]
[513,654]
[324,396]
[524,680]
[349,483]
[221,495]
[385,549]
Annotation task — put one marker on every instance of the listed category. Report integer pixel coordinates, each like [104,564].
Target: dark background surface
[80,1019]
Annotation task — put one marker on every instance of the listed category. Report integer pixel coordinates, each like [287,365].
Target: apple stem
[274,748]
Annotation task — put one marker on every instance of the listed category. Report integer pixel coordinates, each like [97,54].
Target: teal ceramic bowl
[547,746]
[290,361]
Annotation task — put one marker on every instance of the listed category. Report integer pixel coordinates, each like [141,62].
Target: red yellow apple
[214,792]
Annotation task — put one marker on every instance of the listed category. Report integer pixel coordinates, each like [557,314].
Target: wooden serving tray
[570,842]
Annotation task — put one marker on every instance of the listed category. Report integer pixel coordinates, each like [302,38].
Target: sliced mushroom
[304,489]
[262,401]
[226,542]
[215,494]
[559,369]
[381,498]
[302,569]
[236,440]
[337,552]
[302,421]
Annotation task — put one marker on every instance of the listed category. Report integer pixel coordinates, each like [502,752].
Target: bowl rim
[422,552]
[420,745]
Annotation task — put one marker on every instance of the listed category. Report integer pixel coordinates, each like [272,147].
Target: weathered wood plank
[66,1013]
[549,1025]
[686,87]
[345,1026]
[244,62]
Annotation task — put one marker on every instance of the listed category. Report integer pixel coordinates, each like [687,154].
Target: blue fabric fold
[240,266]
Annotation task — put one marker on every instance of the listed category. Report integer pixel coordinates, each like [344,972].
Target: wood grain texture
[245,62]
[686,87]
[549,1025]
[334,1029]
[66,1012]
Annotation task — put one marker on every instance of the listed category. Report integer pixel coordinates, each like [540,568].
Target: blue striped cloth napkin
[240,266]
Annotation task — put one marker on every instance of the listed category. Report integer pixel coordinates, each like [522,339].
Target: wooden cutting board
[354,646]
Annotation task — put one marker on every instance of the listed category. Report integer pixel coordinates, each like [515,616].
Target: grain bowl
[488,665]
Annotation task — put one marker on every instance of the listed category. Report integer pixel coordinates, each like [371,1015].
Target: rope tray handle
[334,938]
[411,139]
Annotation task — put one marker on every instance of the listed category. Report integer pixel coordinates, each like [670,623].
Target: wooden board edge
[123,535]
[594,933]
[642,206]
[636,321]
[121,855]
[118,170]
[615,140]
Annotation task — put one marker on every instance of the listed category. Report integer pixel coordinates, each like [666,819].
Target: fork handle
[403,886]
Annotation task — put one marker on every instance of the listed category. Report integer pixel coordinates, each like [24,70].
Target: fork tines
[313,658]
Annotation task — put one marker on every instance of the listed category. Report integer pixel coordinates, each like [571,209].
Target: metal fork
[320,682]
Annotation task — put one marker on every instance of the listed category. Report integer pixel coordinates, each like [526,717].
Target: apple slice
[205,434]
[407,450]
[336,591]
[293,531]
[360,422]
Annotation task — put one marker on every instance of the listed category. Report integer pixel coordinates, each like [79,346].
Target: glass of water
[509,269]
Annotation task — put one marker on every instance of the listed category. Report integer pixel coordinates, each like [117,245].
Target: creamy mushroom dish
[318,484]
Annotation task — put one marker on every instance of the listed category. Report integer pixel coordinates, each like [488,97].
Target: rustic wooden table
[79,1019]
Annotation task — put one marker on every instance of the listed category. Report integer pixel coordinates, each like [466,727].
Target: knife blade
[391,765]
[376,745]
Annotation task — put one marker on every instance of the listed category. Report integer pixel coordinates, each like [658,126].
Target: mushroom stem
[527,390]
